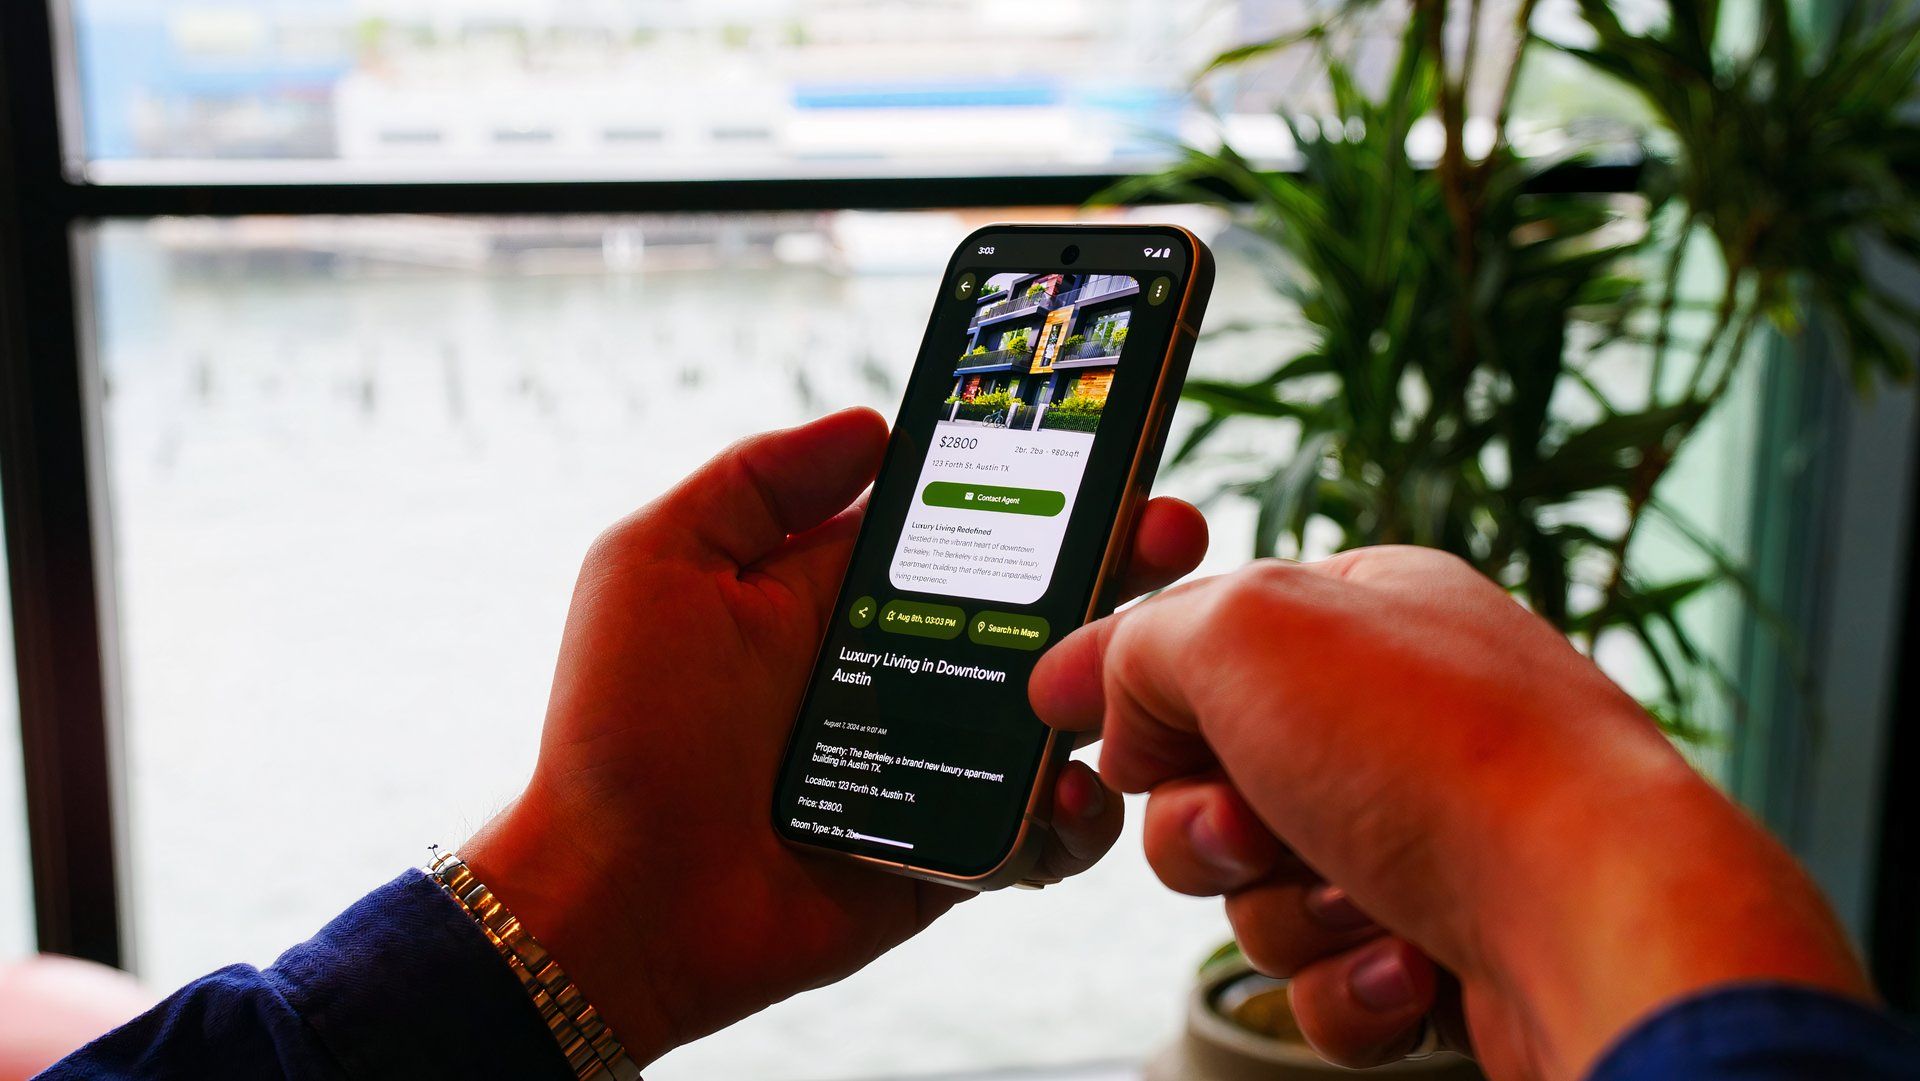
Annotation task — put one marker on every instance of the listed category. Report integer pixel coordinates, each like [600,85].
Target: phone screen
[982,545]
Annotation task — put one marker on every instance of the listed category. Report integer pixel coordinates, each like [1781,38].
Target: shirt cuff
[404,985]
[1763,1032]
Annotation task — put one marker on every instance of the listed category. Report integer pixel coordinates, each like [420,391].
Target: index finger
[1075,688]
[1169,541]
[1143,676]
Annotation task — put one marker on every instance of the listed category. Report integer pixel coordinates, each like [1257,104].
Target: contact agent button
[1008,630]
[922,620]
[1036,501]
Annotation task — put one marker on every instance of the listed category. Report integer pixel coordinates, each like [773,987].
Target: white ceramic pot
[1216,1048]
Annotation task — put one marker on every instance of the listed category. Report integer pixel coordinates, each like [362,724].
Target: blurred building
[646,87]
[212,80]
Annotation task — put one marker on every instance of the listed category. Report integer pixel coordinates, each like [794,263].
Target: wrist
[536,868]
[1674,890]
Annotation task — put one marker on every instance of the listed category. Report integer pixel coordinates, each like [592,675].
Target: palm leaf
[1287,499]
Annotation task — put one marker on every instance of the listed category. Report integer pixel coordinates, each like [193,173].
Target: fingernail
[1210,844]
[1093,798]
[1330,906]
[1381,982]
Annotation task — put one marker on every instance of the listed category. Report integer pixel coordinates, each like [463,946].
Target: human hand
[1384,763]
[642,853]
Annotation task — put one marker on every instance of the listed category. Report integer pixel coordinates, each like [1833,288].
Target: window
[321,431]
[352,89]
[1109,326]
[745,88]
[324,432]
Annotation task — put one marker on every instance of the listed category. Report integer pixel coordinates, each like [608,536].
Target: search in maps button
[1008,630]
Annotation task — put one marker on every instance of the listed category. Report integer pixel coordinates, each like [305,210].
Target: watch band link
[590,1047]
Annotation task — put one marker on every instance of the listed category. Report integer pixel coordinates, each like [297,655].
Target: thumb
[743,503]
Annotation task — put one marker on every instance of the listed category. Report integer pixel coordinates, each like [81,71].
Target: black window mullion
[84,201]
[54,546]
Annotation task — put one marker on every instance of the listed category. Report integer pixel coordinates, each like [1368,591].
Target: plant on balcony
[982,406]
[991,289]
[1463,386]
[1017,342]
[1083,404]
[1035,290]
[1074,413]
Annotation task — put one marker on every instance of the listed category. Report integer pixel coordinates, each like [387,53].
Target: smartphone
[1026,445]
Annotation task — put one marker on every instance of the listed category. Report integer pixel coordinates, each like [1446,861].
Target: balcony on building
[997,361]
[1087,355]
[1097,288]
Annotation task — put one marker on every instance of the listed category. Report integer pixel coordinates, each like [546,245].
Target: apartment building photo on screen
[1041,351]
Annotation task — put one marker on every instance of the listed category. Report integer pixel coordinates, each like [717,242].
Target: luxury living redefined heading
[1029,387]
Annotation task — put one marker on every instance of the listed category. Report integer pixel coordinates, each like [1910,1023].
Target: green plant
[1794,156]
[981,406]
[1074,340]
[1453,393]
[978,350]
[1080,403]
[1017,341]
[1034,290]
[992,288]
[1074,413]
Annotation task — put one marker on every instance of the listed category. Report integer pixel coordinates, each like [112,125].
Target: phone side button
[1161,419]
[1184,339]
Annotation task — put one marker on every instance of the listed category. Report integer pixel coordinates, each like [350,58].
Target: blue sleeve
[1764,1032]
[401,985]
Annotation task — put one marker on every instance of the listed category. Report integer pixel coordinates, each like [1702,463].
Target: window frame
[57,518]
[56,547]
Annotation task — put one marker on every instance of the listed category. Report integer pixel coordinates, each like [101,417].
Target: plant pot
[1240,1028]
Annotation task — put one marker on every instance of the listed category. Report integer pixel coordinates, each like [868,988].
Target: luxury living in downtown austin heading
[854,665]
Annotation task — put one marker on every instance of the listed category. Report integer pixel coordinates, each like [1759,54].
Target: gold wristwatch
[590,1047]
